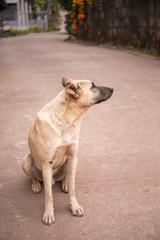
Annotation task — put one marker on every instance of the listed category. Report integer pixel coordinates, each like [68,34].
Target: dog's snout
[111,89]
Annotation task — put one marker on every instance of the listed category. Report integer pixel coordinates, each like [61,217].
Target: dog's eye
[93,86]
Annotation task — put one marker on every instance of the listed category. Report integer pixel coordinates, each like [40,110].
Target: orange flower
[81,16]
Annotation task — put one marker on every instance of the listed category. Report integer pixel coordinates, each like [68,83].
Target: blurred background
[132,24]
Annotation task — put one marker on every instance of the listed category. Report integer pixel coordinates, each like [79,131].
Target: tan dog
[53,141]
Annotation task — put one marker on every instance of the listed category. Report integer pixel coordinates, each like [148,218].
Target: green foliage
[67,4]
[34,29]
[131,48]
[55,7]
[69,24]
[153,52]
[52,27]
[13,33]
[39,3]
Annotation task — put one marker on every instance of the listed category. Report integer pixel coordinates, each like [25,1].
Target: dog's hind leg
[31,170]
[65,185]
[60,175]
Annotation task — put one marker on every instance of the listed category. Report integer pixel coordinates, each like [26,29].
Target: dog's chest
[69,136]
[62,153]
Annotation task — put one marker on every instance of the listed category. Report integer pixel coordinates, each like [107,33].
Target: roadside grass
[13,32]
[131,48]
[34,29]
[151,51]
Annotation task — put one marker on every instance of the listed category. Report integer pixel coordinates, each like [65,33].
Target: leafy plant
[77,12]
[52,27]
[67,4]
[55,7]
[39,3]
[13,33]
[153,52]
[131,48]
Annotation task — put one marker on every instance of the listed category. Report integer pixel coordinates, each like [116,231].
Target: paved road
[118,178]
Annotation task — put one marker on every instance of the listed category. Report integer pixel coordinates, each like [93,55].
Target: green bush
[153,52]
[131,48]
[13,32]
[52,27]
[34,29]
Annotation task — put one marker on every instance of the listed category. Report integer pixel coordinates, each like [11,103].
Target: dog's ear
[65,81]
[70,86]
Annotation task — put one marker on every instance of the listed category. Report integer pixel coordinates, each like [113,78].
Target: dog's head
[85,92]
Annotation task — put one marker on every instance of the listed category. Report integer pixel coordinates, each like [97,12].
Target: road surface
[118,177]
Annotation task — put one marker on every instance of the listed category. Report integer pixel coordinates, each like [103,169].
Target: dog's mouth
[101,100]
[105,94]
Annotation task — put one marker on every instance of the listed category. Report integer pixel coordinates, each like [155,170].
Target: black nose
[111,89]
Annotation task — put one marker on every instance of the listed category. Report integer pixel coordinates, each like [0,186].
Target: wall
[124,22]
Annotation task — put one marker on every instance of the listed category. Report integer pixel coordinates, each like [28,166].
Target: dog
[53,141]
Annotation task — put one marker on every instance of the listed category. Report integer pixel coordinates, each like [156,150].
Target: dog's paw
[48,217]
[77,210]
[36,187]
[64,186]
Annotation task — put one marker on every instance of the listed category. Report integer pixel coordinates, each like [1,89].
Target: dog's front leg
[76,209]
[48,217]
